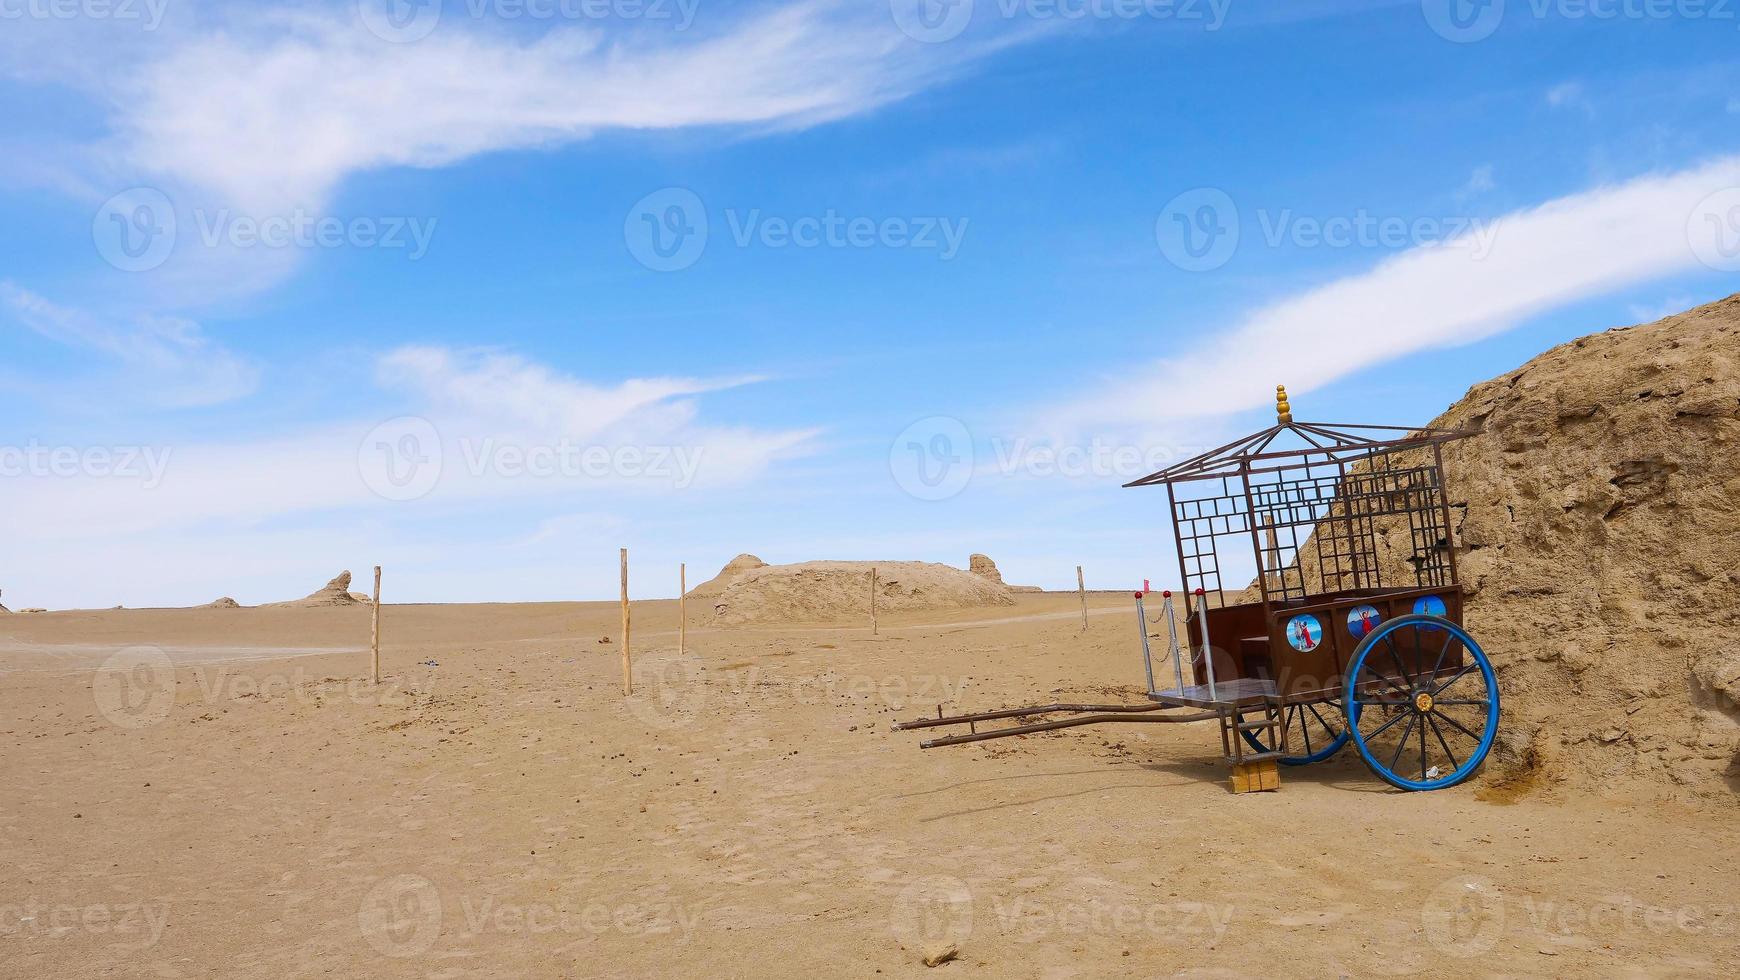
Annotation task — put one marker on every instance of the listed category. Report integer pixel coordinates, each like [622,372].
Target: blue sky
[1011,196]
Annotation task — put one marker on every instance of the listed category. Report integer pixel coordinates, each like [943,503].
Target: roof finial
[1283,411]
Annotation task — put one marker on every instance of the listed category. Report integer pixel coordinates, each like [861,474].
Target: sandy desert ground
[497,808]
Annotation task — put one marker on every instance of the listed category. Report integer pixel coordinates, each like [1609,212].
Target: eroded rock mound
[984,567]
[1598,533]
[733,568]
[839,591]
[224,603]
[334,593]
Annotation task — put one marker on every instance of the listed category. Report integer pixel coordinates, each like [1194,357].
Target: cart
[1350,632]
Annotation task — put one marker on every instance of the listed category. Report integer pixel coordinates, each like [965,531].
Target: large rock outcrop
[1598,531]
[839,591]
[334,593]
[733,568]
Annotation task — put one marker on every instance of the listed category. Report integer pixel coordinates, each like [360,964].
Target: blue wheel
[1417,723]
[1315,728]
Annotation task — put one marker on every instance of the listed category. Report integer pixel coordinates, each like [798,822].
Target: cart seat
[1239,693]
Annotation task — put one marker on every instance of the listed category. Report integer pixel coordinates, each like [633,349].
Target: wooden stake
[873,600]
[1081,588]
[375,641]
[682,607]
[627,669]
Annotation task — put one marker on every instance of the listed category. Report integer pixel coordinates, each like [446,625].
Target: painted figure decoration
[1361,620]
[1304,632]
[1429,605]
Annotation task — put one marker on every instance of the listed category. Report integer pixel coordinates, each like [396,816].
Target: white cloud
[1570,95]
[260,112]
[275,110]
[504,389]
[1479,182]
[167,361]
[1574,247]
[507,429]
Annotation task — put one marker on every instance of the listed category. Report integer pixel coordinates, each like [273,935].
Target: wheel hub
[1423,702]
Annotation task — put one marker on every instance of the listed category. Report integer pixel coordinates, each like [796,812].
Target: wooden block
[1256,777]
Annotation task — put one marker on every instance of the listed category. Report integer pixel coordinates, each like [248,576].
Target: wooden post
[872,600]
[627,670]
[375,641]
[1081,589]
[682,607]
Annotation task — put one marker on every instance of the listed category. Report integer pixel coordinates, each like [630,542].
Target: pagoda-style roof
[1288,444]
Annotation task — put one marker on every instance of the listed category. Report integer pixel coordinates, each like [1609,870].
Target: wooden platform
[1242,693]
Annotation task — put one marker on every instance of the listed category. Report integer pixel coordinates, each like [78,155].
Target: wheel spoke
[1390,642]
[1423,749]
[1392,704]
[1453,763]
[1326,726]
[1453,723]
[1453,679]
[1403,745]
[1304,729]
[1443,652]
[1385,726]
[1477,702]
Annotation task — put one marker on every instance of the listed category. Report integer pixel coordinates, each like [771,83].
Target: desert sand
[497,808]
[219,792]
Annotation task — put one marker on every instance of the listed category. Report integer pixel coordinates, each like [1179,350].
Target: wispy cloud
[505,389]
[276,109]
[262,112]
[1579,246]
[1570,95]
[488,429]
[167,361]
[1479,182]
